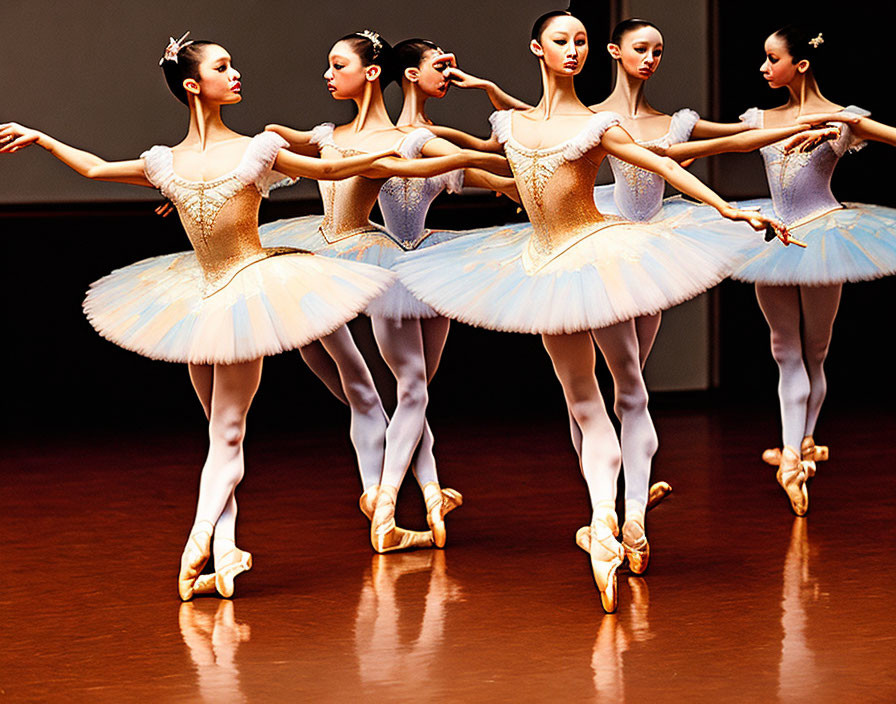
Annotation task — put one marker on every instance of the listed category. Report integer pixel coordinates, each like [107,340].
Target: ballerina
[799,293]
[578,278]
[359,67]
[228,303]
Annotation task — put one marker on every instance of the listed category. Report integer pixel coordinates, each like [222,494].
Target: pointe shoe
[230,565]
[811,453]
[439,502]
[606,557]
[204,584]
[195,555]
[791,475]
[385,536]
[772,456]
[658,492]
[367,502]
[634,542]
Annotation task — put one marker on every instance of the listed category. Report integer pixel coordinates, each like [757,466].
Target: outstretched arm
[743,142]
[466,141]
[433,166]
[299,140]
[706,129]
[616,141]
[301,166]
[866,128]
[14,137]
[500,99]
[472,176]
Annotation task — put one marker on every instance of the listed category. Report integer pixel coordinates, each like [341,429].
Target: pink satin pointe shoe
[791,475]
[606,556]
[439,502]
[228,567]
[367,502]
[195,555]
[810,453]
[385,536]
[634,538]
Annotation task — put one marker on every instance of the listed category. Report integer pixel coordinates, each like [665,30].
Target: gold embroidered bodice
[555,186]
[347,203]
[220,216]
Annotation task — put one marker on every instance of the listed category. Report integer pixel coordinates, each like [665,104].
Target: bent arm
[14,137]
[500,99]
[299,140]
[743,142]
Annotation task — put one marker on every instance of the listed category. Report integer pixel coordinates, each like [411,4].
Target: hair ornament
[174,46]
[817,41]
[374,39]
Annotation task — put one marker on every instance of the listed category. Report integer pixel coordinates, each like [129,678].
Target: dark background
[62,377]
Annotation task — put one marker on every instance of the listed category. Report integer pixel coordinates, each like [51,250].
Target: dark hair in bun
[541,22]
[187,66]
[373,50]
[410,52]
[804,42]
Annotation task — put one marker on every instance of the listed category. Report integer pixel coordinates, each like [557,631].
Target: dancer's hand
[164,209]
[760,222]
[14,136]
[807,141]
[462,79]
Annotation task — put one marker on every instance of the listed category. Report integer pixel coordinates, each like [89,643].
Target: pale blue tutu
[853,243]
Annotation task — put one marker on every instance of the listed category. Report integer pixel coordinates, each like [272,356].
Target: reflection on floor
[742,601]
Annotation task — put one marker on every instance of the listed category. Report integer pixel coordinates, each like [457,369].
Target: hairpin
[174,46]
[817,41]
[374,39]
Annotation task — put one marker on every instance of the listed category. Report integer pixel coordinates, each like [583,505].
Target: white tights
[412,348]
[801,320]
[625,347]
[225,392]
[337,361]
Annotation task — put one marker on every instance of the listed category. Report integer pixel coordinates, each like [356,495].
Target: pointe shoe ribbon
[232,564]
[195,555]
[792,475]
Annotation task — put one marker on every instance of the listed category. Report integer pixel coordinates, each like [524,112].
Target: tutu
[849,242]
[571,270]
[229,300]
[854,243]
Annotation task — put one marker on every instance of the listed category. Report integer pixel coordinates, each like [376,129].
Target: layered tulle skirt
[162,307]
[620,271]
[372,246]
[853,243]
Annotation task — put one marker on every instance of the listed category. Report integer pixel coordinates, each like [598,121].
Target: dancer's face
[430,76]
[346,76]
[639,52]
[219,81]
[563,45]
[778,68]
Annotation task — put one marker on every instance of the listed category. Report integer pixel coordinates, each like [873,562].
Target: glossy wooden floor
[742,601]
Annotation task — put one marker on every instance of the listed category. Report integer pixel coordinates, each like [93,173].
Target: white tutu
[157,307]
[373,246]
[621,271]
[853,243]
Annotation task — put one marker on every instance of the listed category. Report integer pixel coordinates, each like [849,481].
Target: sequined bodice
[405,202]
[800,182]
[555,186]
[347,203]
[638,193]
[220,216]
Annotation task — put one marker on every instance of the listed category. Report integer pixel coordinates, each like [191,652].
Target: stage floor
[742,601]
